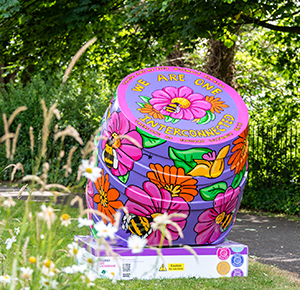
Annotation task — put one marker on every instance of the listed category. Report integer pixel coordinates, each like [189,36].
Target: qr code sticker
[126,267]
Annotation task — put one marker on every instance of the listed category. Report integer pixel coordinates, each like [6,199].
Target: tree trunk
[220,62]
[175,58]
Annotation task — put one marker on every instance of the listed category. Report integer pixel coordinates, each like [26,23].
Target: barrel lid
[182,105]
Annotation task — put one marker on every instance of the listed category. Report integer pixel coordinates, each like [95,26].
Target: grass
[260,276]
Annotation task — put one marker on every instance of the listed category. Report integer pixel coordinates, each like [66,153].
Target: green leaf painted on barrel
[142,105]
[212,116]
[204,120]
[238,178]
[185,158]
[210,192]
[168,119]
[174,121]
[145,99]
[124,178]
[149,141]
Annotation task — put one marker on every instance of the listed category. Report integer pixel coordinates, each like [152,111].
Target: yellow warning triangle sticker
[162,268]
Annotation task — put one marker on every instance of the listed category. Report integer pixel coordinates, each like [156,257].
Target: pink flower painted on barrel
[180,103]
[122,145]
[145,204]
[213,221]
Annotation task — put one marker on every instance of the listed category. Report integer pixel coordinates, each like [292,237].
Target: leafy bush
[81,105]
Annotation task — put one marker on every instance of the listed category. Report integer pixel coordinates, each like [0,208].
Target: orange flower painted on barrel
[174,180]
[148,109]
[106,198]
[240,152]
[216,105]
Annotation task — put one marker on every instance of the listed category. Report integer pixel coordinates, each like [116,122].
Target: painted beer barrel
[173,140]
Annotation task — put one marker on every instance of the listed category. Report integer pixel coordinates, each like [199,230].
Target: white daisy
[17,230]
[9,202]
[5,279]
[48,268]
[9,242]
[76,251]
[91,277]
[105,231]
[91,260]
[47,214]
[53,284]
[44,282]
[65,219]
[68,270]
[136,244]
[112,276]
[26,273]
[84,222]
[81,268]
[89,170]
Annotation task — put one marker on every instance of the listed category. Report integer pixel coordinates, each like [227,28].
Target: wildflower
[9,202]
[5,279]
[91,260]
[53,284]
[17,230]
[84,222]
[112,276]
[68,270]
[105,231]
[75,251]
[89,170]
[80,268]
[47,214]
[48,268]
[44,282]
[65,220]
[161,221]
[9,242]
[136,244]
[26,273]
[91,276]
[32,260]
[42,237]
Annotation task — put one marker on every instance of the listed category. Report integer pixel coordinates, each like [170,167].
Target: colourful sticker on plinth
[223,268]
[223,253]
[237,260]
[237,272]
[237,249]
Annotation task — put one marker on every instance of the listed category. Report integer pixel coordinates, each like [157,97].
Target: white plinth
[223,260]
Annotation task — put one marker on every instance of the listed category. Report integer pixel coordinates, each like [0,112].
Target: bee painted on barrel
[225,220]
[172,108]
[109,154]
[137,225]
